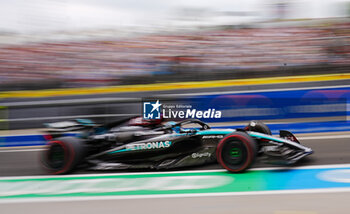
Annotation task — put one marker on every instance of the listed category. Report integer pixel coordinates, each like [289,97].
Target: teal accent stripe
[122,150]
[266,137]
[213,131]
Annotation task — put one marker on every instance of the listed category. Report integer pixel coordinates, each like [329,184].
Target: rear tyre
[236,152]
[63,155]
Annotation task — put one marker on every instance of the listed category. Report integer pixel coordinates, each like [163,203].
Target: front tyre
[257,126]
[63,155]
[236,152]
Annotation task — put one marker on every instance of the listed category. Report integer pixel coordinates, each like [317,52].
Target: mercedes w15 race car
[138,144]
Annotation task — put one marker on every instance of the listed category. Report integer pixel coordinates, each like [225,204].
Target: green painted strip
[111,185]
[174,183]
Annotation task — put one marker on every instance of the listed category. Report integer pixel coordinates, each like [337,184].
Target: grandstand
[222,49]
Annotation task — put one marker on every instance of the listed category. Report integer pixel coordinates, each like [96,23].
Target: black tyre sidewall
[74,153]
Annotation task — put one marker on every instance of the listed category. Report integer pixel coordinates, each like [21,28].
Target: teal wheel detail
[235,152]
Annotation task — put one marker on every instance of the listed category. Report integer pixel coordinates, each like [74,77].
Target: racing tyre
[236,152]
[63,155]
[257,126]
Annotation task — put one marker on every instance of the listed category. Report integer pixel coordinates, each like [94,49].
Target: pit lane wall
[296,128]
[277,106]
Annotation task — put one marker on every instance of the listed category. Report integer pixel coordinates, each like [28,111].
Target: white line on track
[329,166]
[21,150]
[323,137]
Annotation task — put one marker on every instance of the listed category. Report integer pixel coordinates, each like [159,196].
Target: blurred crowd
[91,63]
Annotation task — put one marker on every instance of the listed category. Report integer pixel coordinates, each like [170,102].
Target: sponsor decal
[151,145]
[200,155]
[212,136]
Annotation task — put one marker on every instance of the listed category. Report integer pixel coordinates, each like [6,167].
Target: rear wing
[70,125]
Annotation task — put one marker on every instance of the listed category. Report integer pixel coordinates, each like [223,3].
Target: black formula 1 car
[138,144]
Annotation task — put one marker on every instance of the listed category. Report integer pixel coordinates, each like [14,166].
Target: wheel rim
[234,154]
[56,156]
